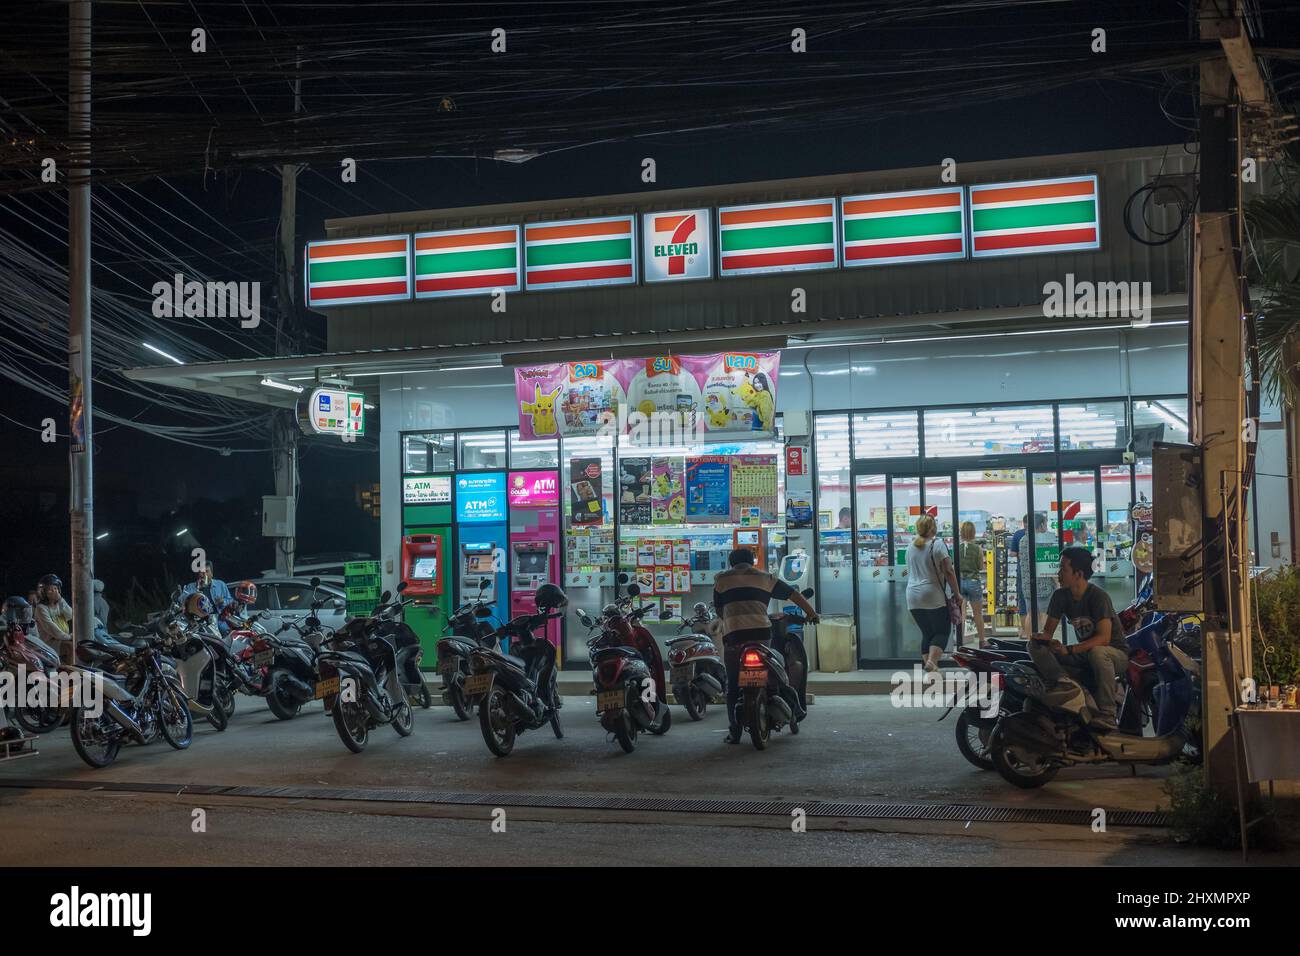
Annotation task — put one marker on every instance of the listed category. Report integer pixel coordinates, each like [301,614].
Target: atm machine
[534,552]
[755,540]
[422,564]
[478,561]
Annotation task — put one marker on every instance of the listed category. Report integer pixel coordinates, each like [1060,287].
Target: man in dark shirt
[1101,652]
[740,596]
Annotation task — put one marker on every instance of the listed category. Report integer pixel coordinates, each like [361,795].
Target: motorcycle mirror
[339,604]
[315,582]
[701,607]
[623,578]
[807,592]
[634,589]
[401,586]
[484,584]
[585,619]
[665,614]
[482,611]
[385,597]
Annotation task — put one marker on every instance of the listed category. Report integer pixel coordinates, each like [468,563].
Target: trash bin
[836,644]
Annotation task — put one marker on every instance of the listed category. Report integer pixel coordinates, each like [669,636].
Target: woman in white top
[929,568]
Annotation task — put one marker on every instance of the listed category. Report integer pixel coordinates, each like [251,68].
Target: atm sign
[534,489]
[427,490]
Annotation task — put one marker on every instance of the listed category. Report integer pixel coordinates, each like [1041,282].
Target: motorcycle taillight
[607,672]
[752,659]
[677,656]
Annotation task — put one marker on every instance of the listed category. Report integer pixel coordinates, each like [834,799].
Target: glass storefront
[661,517]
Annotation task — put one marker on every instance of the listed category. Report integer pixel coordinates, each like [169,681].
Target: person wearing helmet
[54,617]
[101,603]
[215,590]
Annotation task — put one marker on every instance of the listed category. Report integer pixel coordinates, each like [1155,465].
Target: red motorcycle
[628,671]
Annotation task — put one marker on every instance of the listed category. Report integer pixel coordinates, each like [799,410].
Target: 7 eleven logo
[677,245]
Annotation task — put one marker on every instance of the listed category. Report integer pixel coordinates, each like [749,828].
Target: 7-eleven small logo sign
[678,245]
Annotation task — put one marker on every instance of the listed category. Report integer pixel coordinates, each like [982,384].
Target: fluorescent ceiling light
[369,408]
[101,537]
[181,532]
[166,355]
[284,386]
[421,371]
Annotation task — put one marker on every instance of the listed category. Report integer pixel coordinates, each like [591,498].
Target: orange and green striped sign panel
[777,237]
[924,225]
[1046,215]
[466,261]
[356,271]
[579,253]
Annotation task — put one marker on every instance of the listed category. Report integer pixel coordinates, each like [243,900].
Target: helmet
[246,593]
[17,610]
[198,606]
[549,597]
[50,580]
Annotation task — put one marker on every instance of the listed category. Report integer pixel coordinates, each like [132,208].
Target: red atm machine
[534,541]
[422,562]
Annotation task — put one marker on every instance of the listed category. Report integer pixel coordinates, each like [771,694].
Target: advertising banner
[708,489]
[481,499]
[585,491]
[634,479]
[334,412]
[724,393]
[753,488]
[667,496]
[534,489]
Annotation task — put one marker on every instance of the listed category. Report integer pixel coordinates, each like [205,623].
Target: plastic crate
[360,567]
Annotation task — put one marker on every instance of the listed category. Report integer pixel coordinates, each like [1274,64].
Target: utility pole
[1218,382]
[284,424]
[80,450]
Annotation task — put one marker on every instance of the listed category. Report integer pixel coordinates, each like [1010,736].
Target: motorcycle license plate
[263,658]
[609,700]
[326,687]
[477,684]
[682,673]
[753,678]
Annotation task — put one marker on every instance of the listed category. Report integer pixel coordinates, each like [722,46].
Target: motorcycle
[469,630]
[196,667]
[408,653]
[21,648]
[360,680]
[1052,730]
[698,675]
[628,672]
[518,691]
[773,679]
[143,697]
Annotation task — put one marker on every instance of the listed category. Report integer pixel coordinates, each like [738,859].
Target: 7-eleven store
[917,372]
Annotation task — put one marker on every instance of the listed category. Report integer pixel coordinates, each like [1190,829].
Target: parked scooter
[196,666]
[21,648]
[518,691]
[408,653]
[1052,728]
[470,629]
[628,671]
[359,677]
[774,682]
[698,675]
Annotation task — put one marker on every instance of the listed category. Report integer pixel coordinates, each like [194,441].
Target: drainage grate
[575,801]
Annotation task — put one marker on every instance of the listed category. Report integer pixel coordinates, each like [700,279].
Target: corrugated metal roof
[886,292]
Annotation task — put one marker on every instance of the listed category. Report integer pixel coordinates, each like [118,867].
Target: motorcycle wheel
[973,742]
[404,722]
[91,740]
[556,728]
[351,723]
[217,716]
[1015,771]
[278,702]
[425,698]
[458,703]
[496,723]
[664,725]
[174,718]
[625,732]
[38,720]
[226,696]
[695,702]
[756,721]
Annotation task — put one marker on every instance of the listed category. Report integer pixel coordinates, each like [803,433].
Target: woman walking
[970,561]
[929,568]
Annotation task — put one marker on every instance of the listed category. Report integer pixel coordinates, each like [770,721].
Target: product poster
[681,580]
[682,552]
[667,497]
[653,603]
[663,552]
[798,513]
[634,479]
[708,489]
[645,579]
[585,490]
[626,554]
[753,485]
[664,581]
[645,553]
[726,392]
[673,608]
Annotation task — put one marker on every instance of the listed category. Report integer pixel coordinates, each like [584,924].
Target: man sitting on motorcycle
[1101,652]
[740,596]
[216,591]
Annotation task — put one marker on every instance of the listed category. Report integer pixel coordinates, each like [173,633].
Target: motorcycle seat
[605,653]
[686,637]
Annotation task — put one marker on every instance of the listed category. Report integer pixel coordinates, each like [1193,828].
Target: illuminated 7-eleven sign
[678,245]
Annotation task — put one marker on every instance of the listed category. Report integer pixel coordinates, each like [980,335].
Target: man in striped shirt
[740,596]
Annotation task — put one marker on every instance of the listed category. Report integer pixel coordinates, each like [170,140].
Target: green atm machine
[426,557]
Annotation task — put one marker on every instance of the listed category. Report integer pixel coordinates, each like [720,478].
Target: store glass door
[874,565]
[1042,546]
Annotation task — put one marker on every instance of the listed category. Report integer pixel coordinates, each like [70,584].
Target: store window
[970,432]
[428,452]
[1087,425]
[483,449]
[542,453]
[834,502]
[886,435]
[1159,419]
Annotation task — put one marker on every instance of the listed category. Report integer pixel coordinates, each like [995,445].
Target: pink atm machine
[534,541]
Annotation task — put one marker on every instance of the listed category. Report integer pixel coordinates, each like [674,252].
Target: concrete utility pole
[81,491]
[284,426]
[1218,383]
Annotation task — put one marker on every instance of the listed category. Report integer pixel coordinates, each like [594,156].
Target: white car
[290,598]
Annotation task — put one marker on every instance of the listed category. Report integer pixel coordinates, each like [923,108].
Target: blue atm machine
[482,538]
